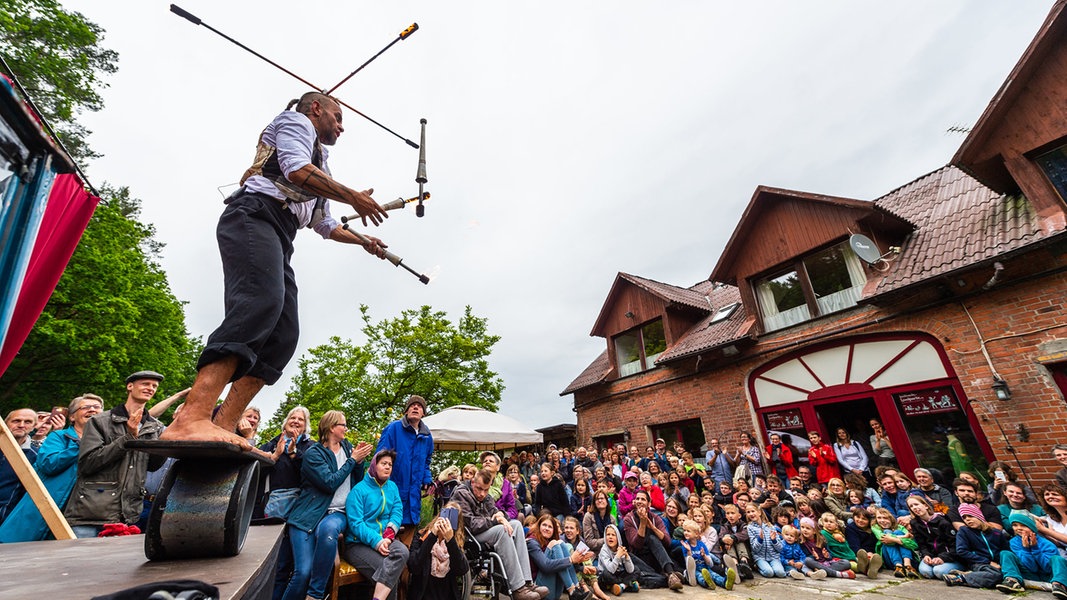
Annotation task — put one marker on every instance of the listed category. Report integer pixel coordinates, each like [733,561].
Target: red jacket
[786,455]
[824,461]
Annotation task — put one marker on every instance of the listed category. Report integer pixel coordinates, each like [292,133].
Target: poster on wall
[784,420]
[928,402]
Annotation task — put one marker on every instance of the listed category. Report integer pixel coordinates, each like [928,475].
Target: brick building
[943,318]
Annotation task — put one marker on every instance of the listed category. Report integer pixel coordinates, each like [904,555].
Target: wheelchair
[487,578]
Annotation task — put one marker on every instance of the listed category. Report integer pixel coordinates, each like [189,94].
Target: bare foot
[202,430]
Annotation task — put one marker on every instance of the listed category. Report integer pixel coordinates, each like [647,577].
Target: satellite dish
[865,248]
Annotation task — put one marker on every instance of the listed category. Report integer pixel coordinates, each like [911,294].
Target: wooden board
[195,450]
[53,517]
[92,567]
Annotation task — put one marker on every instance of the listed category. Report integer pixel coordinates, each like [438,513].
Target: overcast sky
[566,142]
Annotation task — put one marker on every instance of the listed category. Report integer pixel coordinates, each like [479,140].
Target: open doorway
[853,415]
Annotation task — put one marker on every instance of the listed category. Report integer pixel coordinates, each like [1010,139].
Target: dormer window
[637,349]
[1054,164]
[818,284]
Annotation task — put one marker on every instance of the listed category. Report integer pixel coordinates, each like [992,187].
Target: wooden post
[29,479]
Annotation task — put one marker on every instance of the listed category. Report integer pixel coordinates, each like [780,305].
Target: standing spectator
[660,456]
[749,455]
[881,447]
[720,465]
[648,539]
[1059,452]
[500,490]
[850,455]
[110,487]
[248,425]
[20,422]
[412,441]
[491,526]
[779,460]
[822,458]
[57,464]
[329,470]
[287,449]
[374,511]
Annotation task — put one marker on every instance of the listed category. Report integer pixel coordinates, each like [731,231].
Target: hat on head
[144,375]
[1023,519]
[658,440]
[808,521]
[630,475]
[414,399]
[972,510]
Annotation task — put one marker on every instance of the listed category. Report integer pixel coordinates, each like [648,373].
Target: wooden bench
[343,574]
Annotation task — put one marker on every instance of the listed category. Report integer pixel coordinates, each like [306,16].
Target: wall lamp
[1001,389]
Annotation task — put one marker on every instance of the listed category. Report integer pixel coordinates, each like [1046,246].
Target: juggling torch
[420,174]
[389,256]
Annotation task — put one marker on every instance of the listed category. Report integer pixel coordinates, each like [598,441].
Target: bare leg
[193,423]
[381,591]
[241,393]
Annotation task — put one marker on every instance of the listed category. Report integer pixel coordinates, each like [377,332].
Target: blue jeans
[557,583]
[313,555]
[86,531]
[894,554]
[1009,565]
[283,569]
[770,568]
[937,571]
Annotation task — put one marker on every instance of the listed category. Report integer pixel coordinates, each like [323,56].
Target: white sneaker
[691,570]
[795,574]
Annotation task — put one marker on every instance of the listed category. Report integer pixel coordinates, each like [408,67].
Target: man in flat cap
[111,479]
[410,438]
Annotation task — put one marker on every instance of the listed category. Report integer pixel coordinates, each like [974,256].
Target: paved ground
[883,588]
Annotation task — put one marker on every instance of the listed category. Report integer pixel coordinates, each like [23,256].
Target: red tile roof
[705,334]
[959,223]
[594,373]
[693,296]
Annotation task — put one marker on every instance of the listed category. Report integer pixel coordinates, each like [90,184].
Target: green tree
[111,314]
[419,352]
[57,57]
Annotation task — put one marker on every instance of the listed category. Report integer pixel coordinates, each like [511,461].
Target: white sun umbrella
[465,427]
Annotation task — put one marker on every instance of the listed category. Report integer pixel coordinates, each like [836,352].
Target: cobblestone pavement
[883,588]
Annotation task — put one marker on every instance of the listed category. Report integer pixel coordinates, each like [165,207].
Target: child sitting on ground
[586,572]
[856,499]
[698,560]
[862,541]
[819,556]
[615,568]
[895,544]
[734,540]
[766,543]
[793,555]
[1032,557]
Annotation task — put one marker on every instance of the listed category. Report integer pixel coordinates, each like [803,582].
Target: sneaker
[912,573]
[818,574]
[616,589]
[579,594]
[731,577]
[690,570]
[952,579]
[708,581]
[730,562]
[795,574]
[540,589]
[674,582]
[1059,591]
[874,566]
[1010,585]
[849,574]
[635,587]
[899,572]
[862,560]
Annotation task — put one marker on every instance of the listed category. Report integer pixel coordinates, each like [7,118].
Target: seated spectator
[436,560]
[836,500]
[551,494]
[57,465]
[581,499]
[935,538]
[648,539]
[1001,473]
[895,544]
[830,530]
[806,480]
[656,500]
[654,468]
[1013,499]
[1054,504]
[859,536]
[766,543]
[627,493]
[20,423]
[980,546]
[374,512]
[940,498]
[699,560]
[733,536]
[819,557]
[553,562]
[248,425]
[586,572]
[468,472]
[491,526]
[328,472]
[893,499]
[518,487]
[1031,557]
[616,571]
[773,496]
[967,493]
[859,483]
[596,520]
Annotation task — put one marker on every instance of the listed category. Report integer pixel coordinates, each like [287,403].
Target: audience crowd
[586,523]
